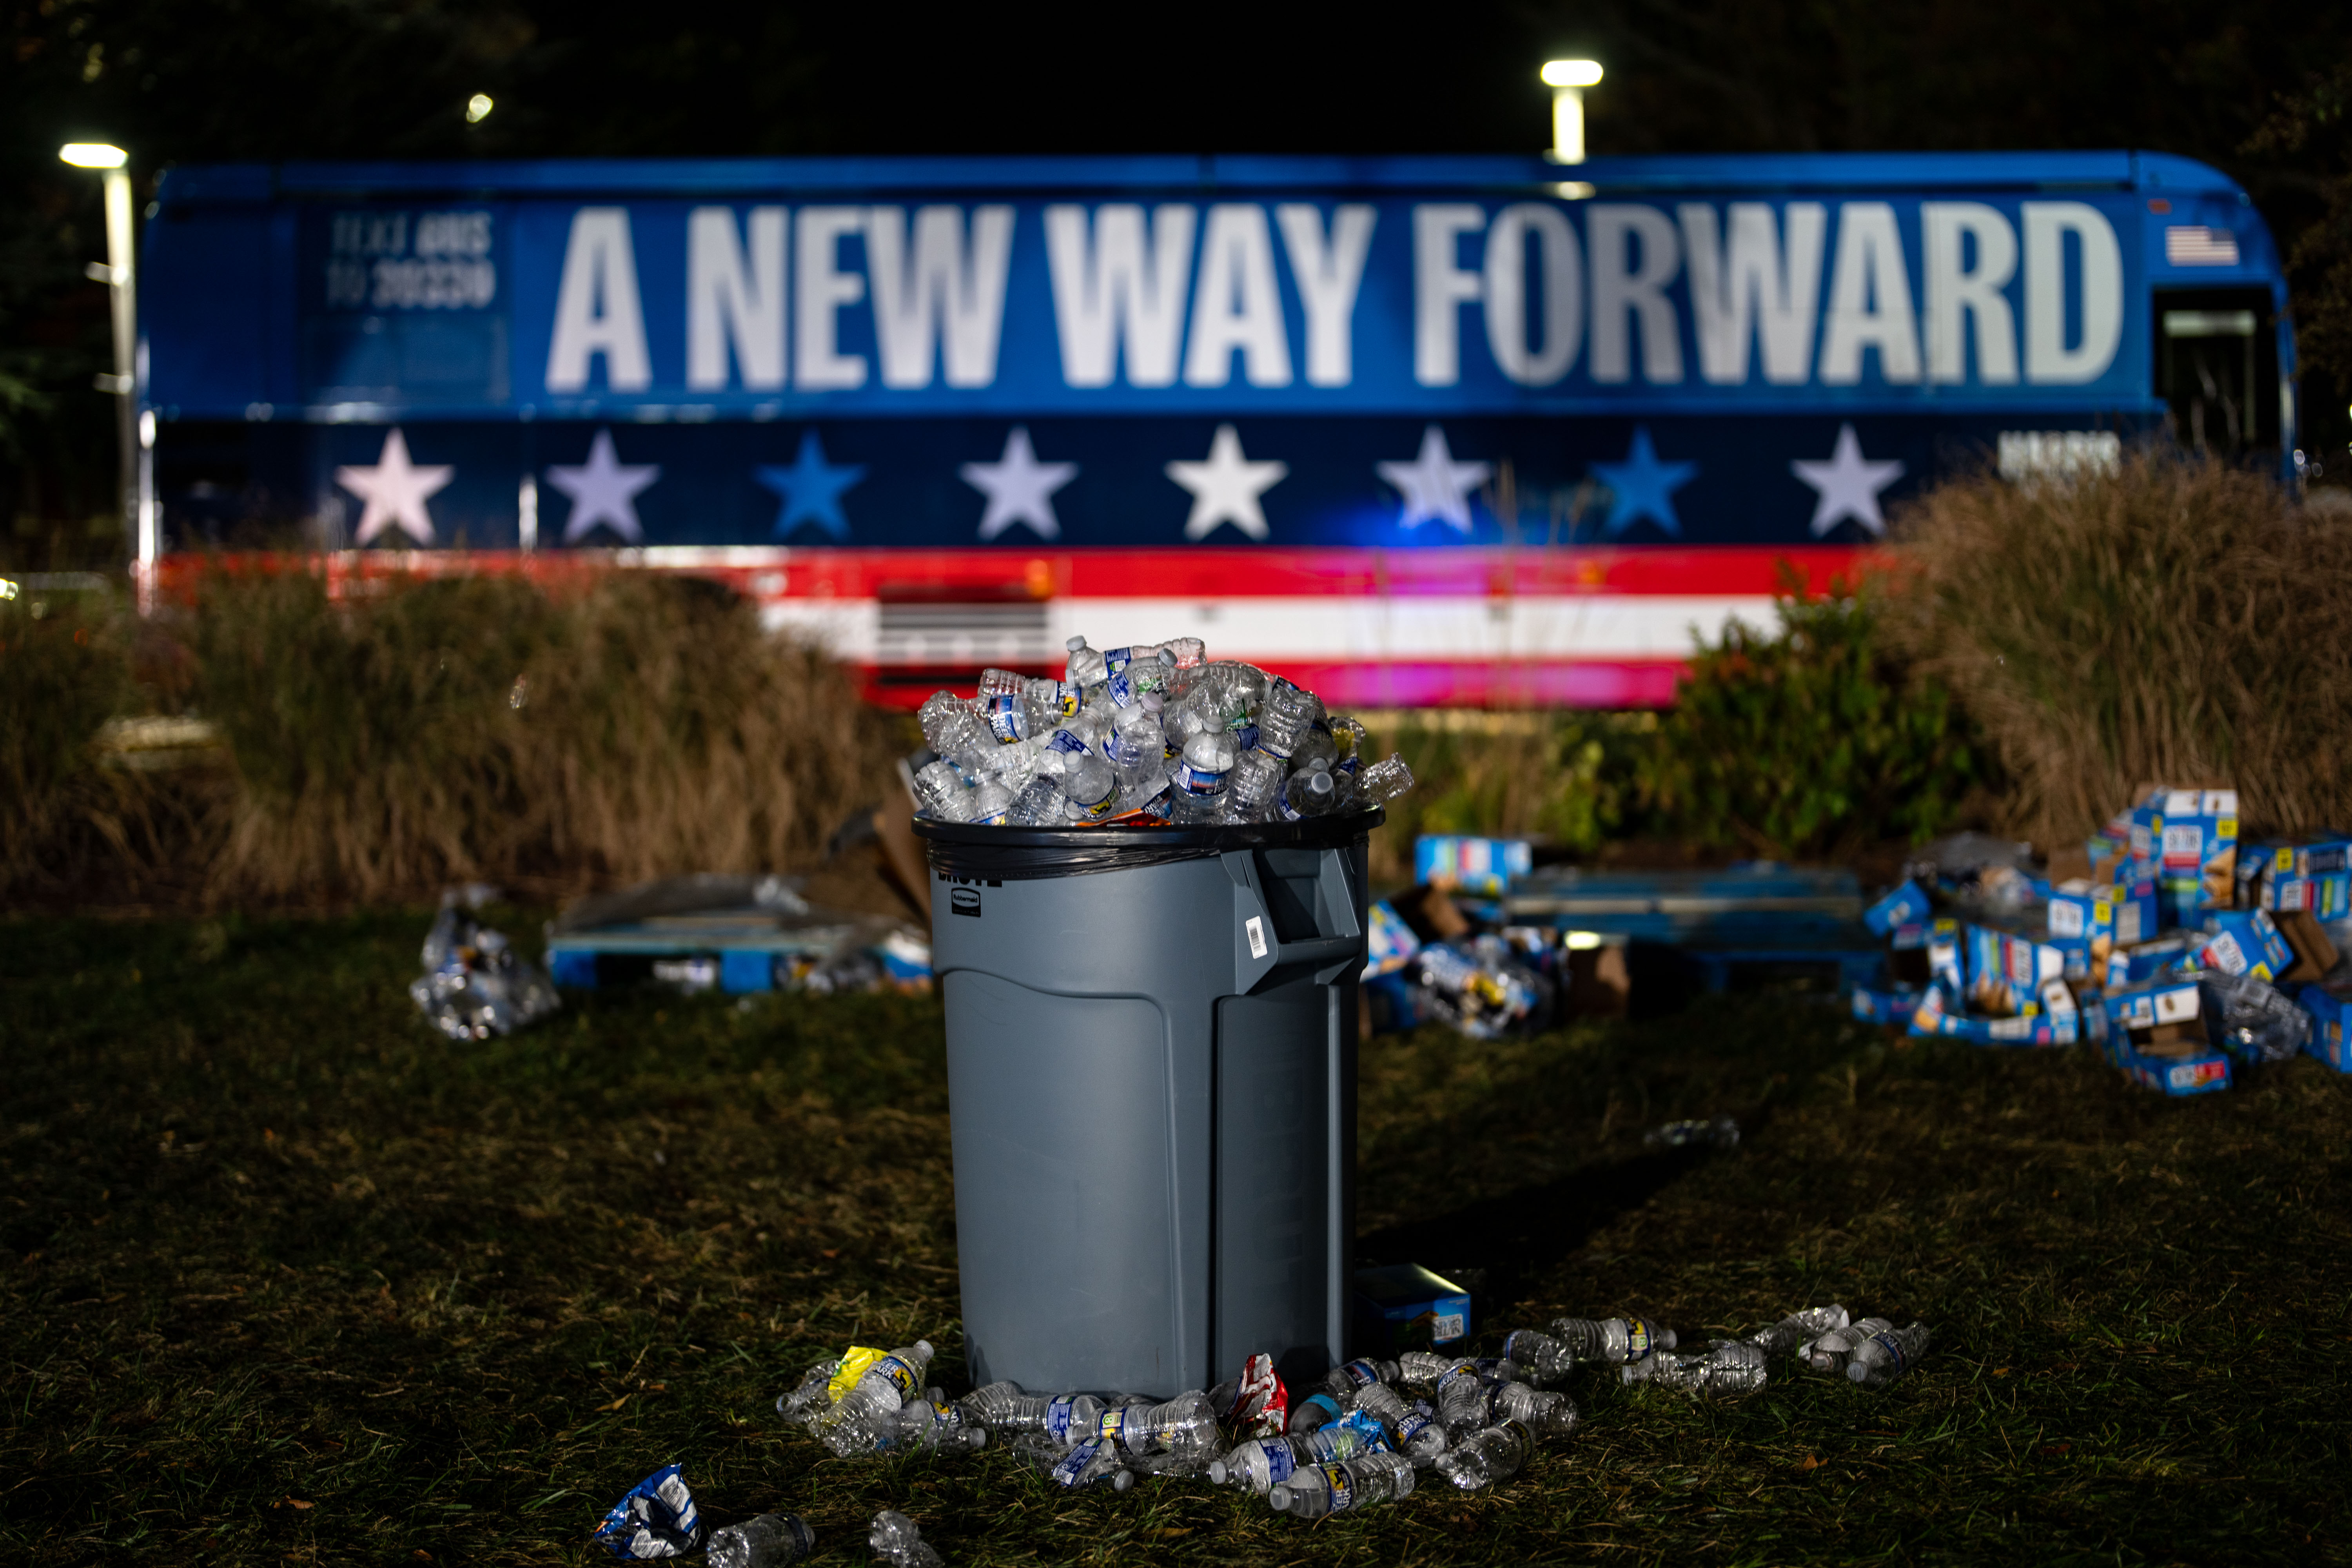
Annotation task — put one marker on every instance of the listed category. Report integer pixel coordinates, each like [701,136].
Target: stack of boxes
[2116,956]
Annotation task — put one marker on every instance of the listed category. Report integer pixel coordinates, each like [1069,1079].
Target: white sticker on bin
[1255,928]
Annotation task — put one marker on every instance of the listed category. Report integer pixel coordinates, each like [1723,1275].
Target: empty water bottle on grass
[1411,1432]
[1090,1463]
[867,1417]
[1062,1419]
[771,1540]
[1829,1353]
[1613,1340]
[1886,1355]
[1726,1369]
[1798,1329]
[1544,1414]
[1496,1454]
[1320,1489]
[897,1541]
[1183,1426]
[932,1423]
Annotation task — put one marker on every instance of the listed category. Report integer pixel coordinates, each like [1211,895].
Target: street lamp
[1568,79]
[118,273]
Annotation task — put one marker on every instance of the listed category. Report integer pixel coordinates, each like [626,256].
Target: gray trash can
[1152,1077]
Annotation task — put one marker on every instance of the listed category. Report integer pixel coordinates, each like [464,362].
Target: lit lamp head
[93,155]
[1568,79]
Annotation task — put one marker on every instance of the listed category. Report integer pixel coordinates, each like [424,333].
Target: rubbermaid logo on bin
[1255,928]
[964,900]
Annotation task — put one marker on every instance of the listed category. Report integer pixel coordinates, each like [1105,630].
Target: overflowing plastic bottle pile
[1369,1433]
[1144,735]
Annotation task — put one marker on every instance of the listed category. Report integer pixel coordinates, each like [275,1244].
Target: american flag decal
[2192,245]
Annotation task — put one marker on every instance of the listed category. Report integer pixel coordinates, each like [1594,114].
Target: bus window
[2216,369]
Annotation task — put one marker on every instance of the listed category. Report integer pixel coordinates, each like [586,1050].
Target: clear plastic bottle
[1349,1379]
[990,801]
[1727,1369]
[1319,1489]
[1317,1410]
[1087,667]
[1134,742]
[1416,1435]
[996,682]
[1382,782]
[867,1417]
[1541,1359]
[1198,784]
[1283,718]
[952,729]
[1061,1419]
[1886,1355]
[1547,1415]
[810,1399]
[1496,1454]
[1090,1463]
[1829,1353]
[771,1540]
[1039,805]
[1614,1341]
[1798,1329]
[897,1541]
[1461,1399]
[1312,794]
[1186,653]
[1182,1426]
[1089,787]
[932,1423]
[1315,749]
[941,794]
[1257,1464]
[1251,787]
[1356,1432]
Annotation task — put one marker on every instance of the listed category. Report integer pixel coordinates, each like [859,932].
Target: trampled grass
[288,1279]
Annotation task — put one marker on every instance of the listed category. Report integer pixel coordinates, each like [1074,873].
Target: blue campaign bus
[1418,430]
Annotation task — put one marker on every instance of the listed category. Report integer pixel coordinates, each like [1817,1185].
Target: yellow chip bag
[853,1367]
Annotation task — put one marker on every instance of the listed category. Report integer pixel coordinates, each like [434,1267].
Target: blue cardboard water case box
[1406,1307]
[2330,1006]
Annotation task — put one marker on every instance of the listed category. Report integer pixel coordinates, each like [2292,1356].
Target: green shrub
[1807,740]
[2171,621]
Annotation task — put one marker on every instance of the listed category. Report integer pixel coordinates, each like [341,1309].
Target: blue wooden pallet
[1758,915]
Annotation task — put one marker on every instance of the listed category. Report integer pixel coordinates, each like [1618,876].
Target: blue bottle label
[1343,1487]
[1245,736]
[1893,1348]
[1008,718]
[1073,1464]
[1070,745]
[1281,1463]
[1058,1420]
[1122,691]
[1198,782]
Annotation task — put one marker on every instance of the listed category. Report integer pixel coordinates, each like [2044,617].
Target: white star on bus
[395,490]
[1226,488]
[1848,484]
[604,489]
[1435,488]
[1019,487]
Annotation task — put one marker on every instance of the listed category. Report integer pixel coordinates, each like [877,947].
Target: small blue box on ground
[1406,1307]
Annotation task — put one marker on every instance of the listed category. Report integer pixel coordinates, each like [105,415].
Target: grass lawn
[285,1277]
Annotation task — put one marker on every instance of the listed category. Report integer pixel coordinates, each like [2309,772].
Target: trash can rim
[1316,831]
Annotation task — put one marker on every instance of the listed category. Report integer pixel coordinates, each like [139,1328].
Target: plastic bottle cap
[1856,1372]
[1217,1473]
[1075,643]
[1280,1498]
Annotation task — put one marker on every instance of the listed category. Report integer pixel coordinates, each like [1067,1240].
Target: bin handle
[1259,951]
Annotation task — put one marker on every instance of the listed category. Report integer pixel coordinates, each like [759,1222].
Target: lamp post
[119,273]
[1568,79]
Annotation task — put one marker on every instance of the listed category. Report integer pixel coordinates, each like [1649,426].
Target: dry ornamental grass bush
[479,727]
[2170,621]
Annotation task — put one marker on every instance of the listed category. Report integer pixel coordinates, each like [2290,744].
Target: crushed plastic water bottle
[475,984]
[1145,732]
[1319,1489]
[1319,1409]
[934,1426]
[2251,1018]
[1481,988]
[1727,1369]
[655,1518]
[1722,1133]
[1886,1355]
[771,1540]
[1544,1414]
[1613,1340]
[1090,1463]
[1413,1429]
[865,1418]
[897,1541]
[1495,1454]
[1184,1428]
[1798,1329]
[1828,1354]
